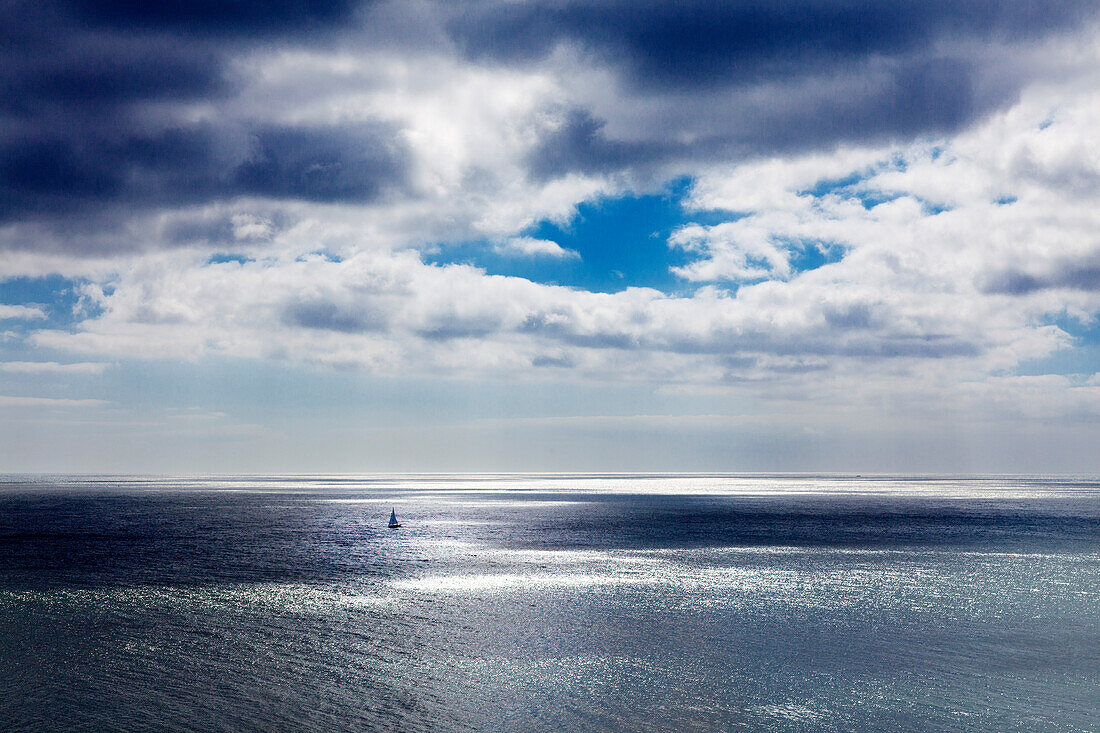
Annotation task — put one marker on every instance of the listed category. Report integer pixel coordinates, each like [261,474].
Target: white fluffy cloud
[21,312]
[532,247]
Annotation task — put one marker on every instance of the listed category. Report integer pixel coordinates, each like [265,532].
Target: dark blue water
[550,602]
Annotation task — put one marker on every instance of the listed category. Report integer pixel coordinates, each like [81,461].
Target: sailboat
[394,524]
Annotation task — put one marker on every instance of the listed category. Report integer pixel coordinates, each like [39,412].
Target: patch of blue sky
[854,186]
[810,255]
[323,254]
[851,181]
[622,242]
[840,186]
[56,296]
[222,257]
[1082,358]
[871,199]
[1085,333]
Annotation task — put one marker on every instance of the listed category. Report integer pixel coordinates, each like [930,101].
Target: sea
[550,602]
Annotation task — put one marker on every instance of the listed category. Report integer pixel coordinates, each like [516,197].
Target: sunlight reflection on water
[551,602]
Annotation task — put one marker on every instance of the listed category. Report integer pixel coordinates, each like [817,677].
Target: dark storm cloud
[934,96]
[105,53]
[89,78]
[866,70]
[217,17]
[77,134]
[931,96]
[90,90]
[581,145]
[323,164]
[51,175]
[706,43]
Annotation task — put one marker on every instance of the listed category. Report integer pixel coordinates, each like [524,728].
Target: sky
[547,235]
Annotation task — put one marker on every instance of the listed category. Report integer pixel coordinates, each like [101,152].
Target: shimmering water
[550,603]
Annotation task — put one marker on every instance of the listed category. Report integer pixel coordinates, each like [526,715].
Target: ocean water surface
[550,602]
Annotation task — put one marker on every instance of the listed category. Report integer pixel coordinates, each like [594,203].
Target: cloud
[399,315]
[219,18]
[113,108]
[697,81]
[187,165]
[999,209]
[9,401]
[745,255]
[913,233]
[325,315]
[1074,275]
[578,143]
[532,247]
[702,44]
[51,367]
[21,312]
[124,105]
[347,164]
